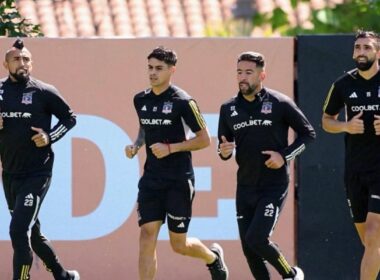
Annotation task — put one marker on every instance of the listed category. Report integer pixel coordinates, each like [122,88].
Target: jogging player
[166,189]
[26,109]
[358,91]
[255,122]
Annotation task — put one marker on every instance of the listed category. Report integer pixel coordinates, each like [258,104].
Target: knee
[178,247]
[260,245]
[147,234]
[372,235]
[256,243]
[20,239]
[37,238]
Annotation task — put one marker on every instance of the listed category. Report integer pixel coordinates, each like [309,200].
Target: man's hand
[226,148]
[275,160]
[160,150]
[355,125]
[41,139]
[376,124]
[131,150]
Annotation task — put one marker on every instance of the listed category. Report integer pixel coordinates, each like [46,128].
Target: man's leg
[266,216]
[256,263]
[192,247]
[23,218]
[370,264]
[360,228]
[147,255]
[44,250]
[179,211]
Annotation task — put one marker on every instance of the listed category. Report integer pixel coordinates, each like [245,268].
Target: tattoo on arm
[140,138]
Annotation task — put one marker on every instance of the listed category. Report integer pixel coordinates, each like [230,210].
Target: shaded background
[327,244]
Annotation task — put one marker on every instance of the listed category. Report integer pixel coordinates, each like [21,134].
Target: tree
[12,24]
[343,18]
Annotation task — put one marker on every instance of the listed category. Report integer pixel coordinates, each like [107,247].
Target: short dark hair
[163,54]
[255,57]
[368,34]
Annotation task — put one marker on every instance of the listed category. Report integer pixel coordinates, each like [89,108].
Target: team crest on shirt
[27,98]
[266,108]
[167,108]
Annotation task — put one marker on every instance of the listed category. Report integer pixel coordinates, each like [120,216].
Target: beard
[20,76]
[247,91]
[364,66]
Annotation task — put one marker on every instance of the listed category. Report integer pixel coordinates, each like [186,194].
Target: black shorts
[160,198]
[363,194]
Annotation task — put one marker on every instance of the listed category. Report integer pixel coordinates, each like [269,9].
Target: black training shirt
[357,94]
[168,118]
[262,125]
[23,105]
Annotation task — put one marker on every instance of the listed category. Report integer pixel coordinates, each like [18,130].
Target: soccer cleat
[299,274]
[218,269]
[73,275]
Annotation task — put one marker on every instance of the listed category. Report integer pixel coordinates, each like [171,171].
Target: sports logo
[27,98]
[181,225]
[234,113]
[266,108]
[353,95]
[167,108]
[155,121]
[16,115]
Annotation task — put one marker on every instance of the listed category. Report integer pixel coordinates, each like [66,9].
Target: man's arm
[200,141]
[58,107]
[226,144]
[331,124]
[132,150]
[305,132]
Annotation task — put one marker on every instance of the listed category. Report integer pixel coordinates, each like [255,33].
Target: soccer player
[166,189]
[358,91]
[26,109]
[255,122]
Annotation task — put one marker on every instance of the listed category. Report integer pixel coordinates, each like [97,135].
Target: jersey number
[268,212]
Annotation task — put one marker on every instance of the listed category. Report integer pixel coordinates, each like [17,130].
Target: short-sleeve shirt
[169,117]
[356,94]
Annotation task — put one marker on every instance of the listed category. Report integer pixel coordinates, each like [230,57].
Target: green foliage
[12,24]
[343,18]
